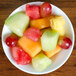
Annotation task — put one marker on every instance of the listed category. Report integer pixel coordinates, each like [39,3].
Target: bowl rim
[58,65]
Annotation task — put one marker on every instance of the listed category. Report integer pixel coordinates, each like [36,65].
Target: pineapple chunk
[57,23]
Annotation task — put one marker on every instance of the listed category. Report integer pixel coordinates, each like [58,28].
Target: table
[6,7]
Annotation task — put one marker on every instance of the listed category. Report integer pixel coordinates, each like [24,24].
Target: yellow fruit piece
[29,46]
[41,23]
[53,52]
[57,23]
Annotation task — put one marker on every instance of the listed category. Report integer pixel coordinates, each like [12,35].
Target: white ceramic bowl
[59,59]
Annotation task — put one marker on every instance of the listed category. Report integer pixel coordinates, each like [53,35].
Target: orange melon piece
[41,23]
[53,52]
[29,46]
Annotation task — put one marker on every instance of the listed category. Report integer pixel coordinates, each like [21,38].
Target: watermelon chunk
[33,11]
[32,33]
[20,56]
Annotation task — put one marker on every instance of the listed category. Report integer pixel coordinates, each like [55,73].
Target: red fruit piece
[65,42]
[11,40]
[33,11]
[32,33]
[45,9]
[20,56]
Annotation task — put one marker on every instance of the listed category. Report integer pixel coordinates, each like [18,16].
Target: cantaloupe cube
[31,47]
[53,52]
[41,23]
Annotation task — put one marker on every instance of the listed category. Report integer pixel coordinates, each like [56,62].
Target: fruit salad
[37,35]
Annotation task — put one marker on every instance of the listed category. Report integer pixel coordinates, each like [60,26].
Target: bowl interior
[58,60]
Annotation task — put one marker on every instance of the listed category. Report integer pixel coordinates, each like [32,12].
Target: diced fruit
[43,30]
[53,52]
[45,9]
[41,62]
[20,56]
[41,23]
[49,40]
[33,11]
[57,23]
[17,23]
[64,42]
[32,33]
[11,40]
[29,46]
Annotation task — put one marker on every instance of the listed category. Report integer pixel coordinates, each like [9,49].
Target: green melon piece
[41,62]
[49,40]
[17,23]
